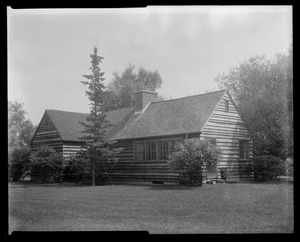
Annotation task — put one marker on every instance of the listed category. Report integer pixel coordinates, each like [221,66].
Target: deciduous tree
[120,91]
[46,163]
[262,90]
[20,161]
[20,129]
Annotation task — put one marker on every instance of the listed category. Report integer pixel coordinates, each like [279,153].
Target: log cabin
[149,131]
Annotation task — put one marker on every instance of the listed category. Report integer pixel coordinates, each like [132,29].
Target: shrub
[99,157]
[268,168]
[224,173]
[19,163]
[191,156]
[46,163]
[74,168]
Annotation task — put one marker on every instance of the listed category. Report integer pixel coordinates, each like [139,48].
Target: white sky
[48,50]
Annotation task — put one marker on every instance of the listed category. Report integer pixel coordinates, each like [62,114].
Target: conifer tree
[98,150]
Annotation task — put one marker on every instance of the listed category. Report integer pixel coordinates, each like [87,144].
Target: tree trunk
[93,174]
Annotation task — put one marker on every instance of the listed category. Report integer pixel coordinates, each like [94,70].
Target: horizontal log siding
[128,171]
[127,153]
[228,129]
[47,134]
[70,148]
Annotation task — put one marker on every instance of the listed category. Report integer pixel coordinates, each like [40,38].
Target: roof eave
[160,135]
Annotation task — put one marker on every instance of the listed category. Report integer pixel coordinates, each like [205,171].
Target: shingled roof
[69,128]
[176,116]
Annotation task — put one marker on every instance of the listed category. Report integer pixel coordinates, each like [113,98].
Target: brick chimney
[142,98]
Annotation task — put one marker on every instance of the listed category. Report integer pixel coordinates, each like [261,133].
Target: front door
[211,171]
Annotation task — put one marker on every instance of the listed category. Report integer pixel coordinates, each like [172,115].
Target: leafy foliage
[20,160]
[75,167]
[120,92]
[224,173]
[46,163]
[268,168]
[101,155]
[193,155]
[20,130]
[98,151]
[263,92]
[16,113]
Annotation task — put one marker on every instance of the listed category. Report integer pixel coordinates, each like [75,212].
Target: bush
[19,163]
[75,167]
[268,168]
[191,156]
[46,163]
[224,173]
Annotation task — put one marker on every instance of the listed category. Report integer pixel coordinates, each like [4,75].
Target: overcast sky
[48,50]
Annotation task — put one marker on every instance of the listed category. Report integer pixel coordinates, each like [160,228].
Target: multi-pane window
[166,150]
[159,150]
[154,150]
[139,151]
[147,152]
[244,149]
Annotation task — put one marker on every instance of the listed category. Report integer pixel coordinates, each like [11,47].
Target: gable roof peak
[62,111]
[68,123]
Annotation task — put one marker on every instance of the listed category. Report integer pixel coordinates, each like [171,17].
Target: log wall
[228,129]
[130,171]
[71,147]
[46,134]
[225,126]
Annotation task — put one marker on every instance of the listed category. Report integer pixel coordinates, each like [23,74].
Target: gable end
[227,127]
[46,134]
[225,121]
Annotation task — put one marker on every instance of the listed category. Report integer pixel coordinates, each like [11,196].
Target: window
[244,149]
[139,151]
[154,150]
[226,106]
[166,150]
[212,141]
[159,150]
[147,151]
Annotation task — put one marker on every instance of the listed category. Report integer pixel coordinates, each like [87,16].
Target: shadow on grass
[25,184]
[170,187]
[272,182]
[158,187]
[280,179]
[39,184]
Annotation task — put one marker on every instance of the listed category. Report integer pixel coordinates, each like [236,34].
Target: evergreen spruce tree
[98,151]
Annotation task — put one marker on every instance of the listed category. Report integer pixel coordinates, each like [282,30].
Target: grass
[219,208]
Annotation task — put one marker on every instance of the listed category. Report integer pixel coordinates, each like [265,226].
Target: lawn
[219,208]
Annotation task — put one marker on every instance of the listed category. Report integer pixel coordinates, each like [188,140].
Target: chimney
[142,98]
